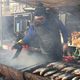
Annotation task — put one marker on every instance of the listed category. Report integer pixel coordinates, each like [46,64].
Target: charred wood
[9,73]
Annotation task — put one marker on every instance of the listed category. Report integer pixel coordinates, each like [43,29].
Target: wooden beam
[54,3]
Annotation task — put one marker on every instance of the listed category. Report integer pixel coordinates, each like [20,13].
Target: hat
[40,10]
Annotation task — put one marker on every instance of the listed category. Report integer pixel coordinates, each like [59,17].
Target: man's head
[40,13]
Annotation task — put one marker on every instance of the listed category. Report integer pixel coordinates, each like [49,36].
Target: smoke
[7,27]
[72,17]
[27,59]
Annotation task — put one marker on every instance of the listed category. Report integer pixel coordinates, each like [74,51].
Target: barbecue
[47,72]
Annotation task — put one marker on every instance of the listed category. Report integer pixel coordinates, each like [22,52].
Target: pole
[1,29]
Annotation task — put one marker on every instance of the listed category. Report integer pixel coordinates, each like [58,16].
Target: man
[25,41]
[48,27]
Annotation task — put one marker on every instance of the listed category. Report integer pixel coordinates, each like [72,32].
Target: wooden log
[30,76]
[9,73]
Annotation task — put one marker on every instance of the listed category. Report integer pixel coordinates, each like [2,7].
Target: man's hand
[65,47]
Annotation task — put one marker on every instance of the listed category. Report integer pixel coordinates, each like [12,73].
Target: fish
[55,75]
[53,64]
[57,65]
[37,71]
[47,70]
[59,77]
[68,77]
[76,72]
[68,69]
[42,71]
[49,73]
[76,78]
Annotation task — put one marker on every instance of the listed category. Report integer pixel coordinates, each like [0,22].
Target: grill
[59,71]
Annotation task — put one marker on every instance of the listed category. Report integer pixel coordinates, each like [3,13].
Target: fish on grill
[57,65]
[43,71]
[64,76]
[76,78]
[59,77]
[54,64]
[55,75]
[49,73]
[77,72]
[68,69]
[38,71]
[68,77]
[59,71]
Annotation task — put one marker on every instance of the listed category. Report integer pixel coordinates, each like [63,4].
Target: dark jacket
[49,37]
[29,36]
